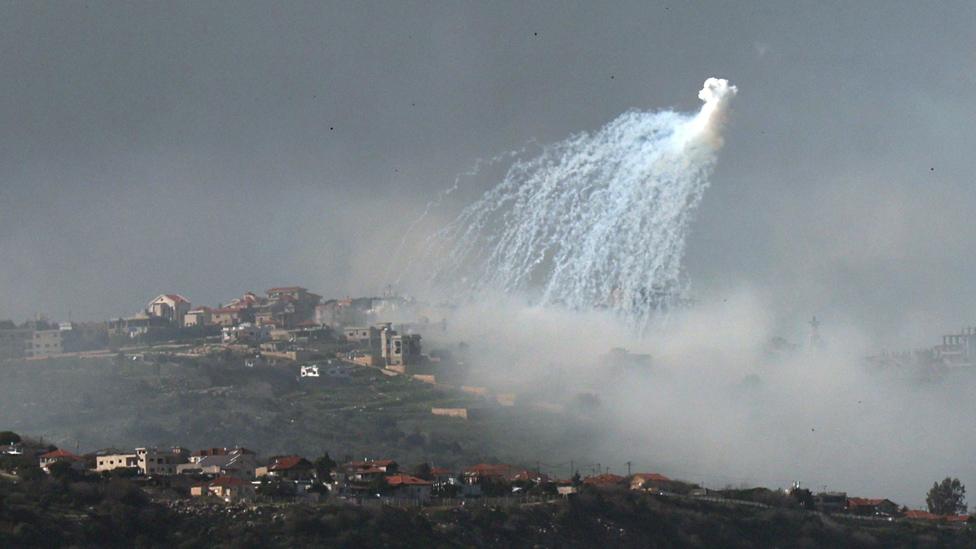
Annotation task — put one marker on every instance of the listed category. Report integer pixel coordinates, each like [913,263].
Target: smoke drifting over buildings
[207,148]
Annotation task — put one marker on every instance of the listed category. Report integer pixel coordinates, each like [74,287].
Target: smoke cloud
[596,220]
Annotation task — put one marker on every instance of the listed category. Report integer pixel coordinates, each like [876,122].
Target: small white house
[310,371]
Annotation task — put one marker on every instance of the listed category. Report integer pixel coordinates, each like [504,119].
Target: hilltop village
[238,475]
[284,324]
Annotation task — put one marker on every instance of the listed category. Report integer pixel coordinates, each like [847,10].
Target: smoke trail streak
[595,221]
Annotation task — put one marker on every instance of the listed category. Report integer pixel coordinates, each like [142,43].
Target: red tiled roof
[490,470]
[957,518]
[440,471]
[406,480]
[177,298]
[289,462]
[922,515]
[605,479]
[864,502]
[227,481]
[287,289]
[55,454]
[226,310]
[654,477]
[525,474]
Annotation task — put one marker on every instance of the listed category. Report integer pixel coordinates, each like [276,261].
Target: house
[409,487]
[229,489]
[298,305]
[60,456]
[499,472]
[44,343]
[245,333]
[238,462]
[200,316]
[111,459]
[170,307]
[872,507]
[226,316]
[309,371]
[566,490]
[830,502]
[653,482]
[137,325]
[160,462]
[605,480]
[442,476]
[343,312]
[522,476]
[13,449]
[921,515]
[288,468]
[399,350]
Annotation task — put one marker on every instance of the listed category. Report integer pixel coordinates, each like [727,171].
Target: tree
[324,467]
[947,497]
[61,470]
[8,437]
[423,471]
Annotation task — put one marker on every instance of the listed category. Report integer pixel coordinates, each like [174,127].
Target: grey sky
[210,148]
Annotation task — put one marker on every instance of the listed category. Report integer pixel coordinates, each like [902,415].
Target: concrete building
[151,461]
[292,305]
[45,343]
[14,341]
[171,307]
[238,463]
[399,351]
[229,489]
[246,333]
[199,316]
[115,460]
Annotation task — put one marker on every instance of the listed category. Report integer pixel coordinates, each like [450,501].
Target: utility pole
[572,469]
[628,468]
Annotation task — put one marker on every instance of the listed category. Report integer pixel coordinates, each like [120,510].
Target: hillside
[108,402]
[116,513]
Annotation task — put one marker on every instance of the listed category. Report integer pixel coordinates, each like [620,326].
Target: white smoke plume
[597,221]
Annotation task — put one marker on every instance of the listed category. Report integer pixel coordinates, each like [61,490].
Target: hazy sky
[210,148]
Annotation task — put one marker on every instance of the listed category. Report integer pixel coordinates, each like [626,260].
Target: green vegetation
[97,512]
[165,400]
[947,497]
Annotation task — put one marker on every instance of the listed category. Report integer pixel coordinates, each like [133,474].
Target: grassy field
[86,404]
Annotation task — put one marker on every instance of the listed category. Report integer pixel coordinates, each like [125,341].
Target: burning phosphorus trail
[595,221]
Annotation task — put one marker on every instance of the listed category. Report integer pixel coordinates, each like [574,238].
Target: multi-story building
[160,462]
[171,307]
[399,350]
[14,341]
[199,316]
[44,343]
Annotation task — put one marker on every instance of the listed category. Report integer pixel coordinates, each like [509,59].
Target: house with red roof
[605,480]
[58,456]
[488,471]
[872,507]
[915,514]
[653,482]
[288,468]
[170,307]
[408,487]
